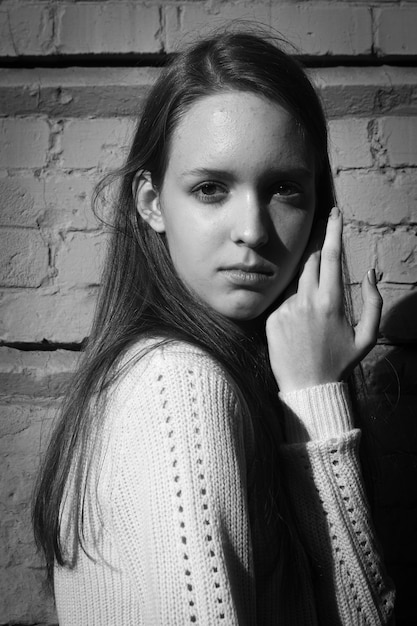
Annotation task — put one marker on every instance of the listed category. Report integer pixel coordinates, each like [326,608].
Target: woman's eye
[286,189]
[210,192]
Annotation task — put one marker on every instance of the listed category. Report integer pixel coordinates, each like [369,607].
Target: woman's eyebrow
[269,174]
[210,172]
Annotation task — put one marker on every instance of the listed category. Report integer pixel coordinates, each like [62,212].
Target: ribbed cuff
[317,413]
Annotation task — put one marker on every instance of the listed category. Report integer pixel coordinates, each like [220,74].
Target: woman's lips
[247,275]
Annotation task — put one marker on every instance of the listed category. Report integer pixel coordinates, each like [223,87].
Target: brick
[55,201]
[99,143]
[360,250]
[324,28]
[23,258]
[61,317]
[23,598]
[313,28]
[23,142]
[93,27]
[184,23]
[378,197]
[36,373]
[67,202]
[21,201]
[24,432]
[107,92]
[396,29]
[366,90]
[397,257]
[349,144]
[25,29]
[79,260]
[75,91]
[400,137]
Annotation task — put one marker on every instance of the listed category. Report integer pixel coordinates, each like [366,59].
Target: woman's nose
[249,221]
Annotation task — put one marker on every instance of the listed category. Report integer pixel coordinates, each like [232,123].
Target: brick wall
[70,88]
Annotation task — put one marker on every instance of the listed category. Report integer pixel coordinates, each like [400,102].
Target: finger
[366,331]
[331,256]
[310,274]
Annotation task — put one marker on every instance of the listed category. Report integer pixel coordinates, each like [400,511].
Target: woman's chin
[243,309]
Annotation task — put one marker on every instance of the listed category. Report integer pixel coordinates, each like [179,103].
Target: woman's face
[237,201]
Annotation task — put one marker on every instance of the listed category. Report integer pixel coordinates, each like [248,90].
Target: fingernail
[334,213]
[372,277]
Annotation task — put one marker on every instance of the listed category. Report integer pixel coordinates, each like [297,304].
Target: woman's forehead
[236,127]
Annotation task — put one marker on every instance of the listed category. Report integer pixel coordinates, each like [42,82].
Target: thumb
[366,331]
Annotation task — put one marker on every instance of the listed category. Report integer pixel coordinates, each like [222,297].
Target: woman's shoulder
[156,376]
[172,386]
[150,359]
[158,351]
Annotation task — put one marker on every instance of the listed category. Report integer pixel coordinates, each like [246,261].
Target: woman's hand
[310,340]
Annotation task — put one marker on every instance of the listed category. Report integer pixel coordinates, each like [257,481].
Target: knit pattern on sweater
[170,538]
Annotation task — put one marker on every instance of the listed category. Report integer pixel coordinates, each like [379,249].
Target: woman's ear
[147,201]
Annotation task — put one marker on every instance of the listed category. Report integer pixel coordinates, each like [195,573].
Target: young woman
[205,467]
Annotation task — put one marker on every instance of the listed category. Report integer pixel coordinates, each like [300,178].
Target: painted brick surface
[360,249]
[25,28]
[23,142]
[95,142]
[55,201]
[24,427]
[400,137]
[184,21]
[80,259]
[76,91]
[23,259]
[66,201]
[317,28]
[378,196]
[397,254]
[107,27]
[21,201]
[47,314]
[358,91]
[109,92]
[396,30]
[36,373]
[313,28]
[62,128]
[323,28]
[349,143]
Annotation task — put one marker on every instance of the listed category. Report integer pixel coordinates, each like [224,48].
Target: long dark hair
[141,292]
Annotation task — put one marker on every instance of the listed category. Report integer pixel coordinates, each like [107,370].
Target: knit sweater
[170,536]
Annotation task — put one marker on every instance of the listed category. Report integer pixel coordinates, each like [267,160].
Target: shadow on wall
[393,428]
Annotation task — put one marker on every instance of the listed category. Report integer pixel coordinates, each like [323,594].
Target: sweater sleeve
[326,489]
[178,493]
